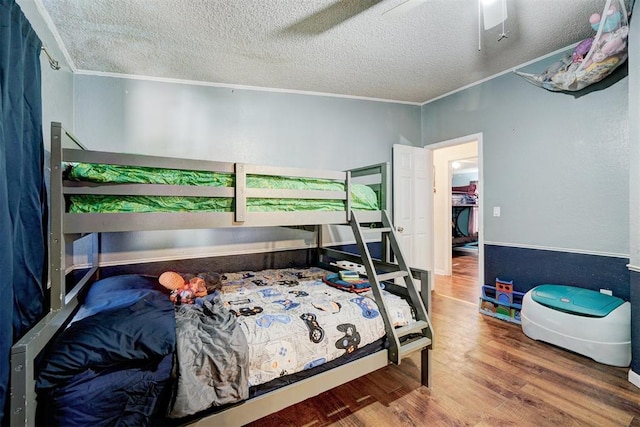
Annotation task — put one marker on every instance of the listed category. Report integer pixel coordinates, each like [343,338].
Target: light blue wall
[263,127]
[562,168]
[557,165]
[248,126]
[57,98]
[57,86]
[461,179]
[57,104]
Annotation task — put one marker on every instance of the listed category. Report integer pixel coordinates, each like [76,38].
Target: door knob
[400,229]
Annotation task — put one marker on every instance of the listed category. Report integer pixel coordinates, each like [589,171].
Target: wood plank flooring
[485,372]
[463,283]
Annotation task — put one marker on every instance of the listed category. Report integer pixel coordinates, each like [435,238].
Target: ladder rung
[393,275]
[413,346]
[415,327]
[376,230]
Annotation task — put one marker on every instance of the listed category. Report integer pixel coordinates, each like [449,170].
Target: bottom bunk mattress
[291,321]
[256,329]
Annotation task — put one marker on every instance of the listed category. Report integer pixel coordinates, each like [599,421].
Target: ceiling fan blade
[402,8]
[331,16]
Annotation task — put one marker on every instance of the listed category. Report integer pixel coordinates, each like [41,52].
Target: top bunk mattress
[363,197]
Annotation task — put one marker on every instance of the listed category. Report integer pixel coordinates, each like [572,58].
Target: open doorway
[457,218]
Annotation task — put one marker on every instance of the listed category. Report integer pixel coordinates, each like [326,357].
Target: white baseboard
[634,378]
[557,249]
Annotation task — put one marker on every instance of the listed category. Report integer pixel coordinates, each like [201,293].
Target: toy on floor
[501,301]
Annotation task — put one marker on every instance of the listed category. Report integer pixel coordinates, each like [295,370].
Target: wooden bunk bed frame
[66,228]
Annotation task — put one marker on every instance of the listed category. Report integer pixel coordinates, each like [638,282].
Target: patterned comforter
[293,321]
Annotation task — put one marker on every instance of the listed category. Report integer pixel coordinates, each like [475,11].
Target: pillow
[115,292]
[141,332]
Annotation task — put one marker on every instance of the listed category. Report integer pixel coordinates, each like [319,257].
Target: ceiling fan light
[494,12]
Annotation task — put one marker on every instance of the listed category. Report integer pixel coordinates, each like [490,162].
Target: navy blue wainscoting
[531,267]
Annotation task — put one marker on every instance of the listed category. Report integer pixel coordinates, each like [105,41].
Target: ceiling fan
[493,11]
[490,13]
[343,10]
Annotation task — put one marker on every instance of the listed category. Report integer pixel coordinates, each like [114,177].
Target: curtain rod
[52,62]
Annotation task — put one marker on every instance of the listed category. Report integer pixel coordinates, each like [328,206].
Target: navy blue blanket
[111,367]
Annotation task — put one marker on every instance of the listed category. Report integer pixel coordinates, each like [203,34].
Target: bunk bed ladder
[407,339]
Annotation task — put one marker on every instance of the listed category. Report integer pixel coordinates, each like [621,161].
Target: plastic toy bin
[587,322]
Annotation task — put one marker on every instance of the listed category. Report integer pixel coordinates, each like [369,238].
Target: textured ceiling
[347,47]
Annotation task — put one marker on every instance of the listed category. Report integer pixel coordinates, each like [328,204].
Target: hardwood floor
[463,283]
[485,372]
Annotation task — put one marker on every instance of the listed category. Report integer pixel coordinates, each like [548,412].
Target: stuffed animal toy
[611,44]
[582,49]
[185,288]
[613,37]
[212,281]
[171,280]
[612,20]
[556,67]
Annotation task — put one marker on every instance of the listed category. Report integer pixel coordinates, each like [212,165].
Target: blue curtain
[22,192]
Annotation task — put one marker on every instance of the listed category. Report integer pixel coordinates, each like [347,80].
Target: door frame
[450,143]
[443,159]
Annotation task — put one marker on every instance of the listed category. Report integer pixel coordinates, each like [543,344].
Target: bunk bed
[464,211]
[73,294]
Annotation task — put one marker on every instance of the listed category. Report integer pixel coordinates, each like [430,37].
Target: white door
[412,204]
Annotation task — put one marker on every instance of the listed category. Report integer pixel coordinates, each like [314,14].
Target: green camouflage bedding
[363,197]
